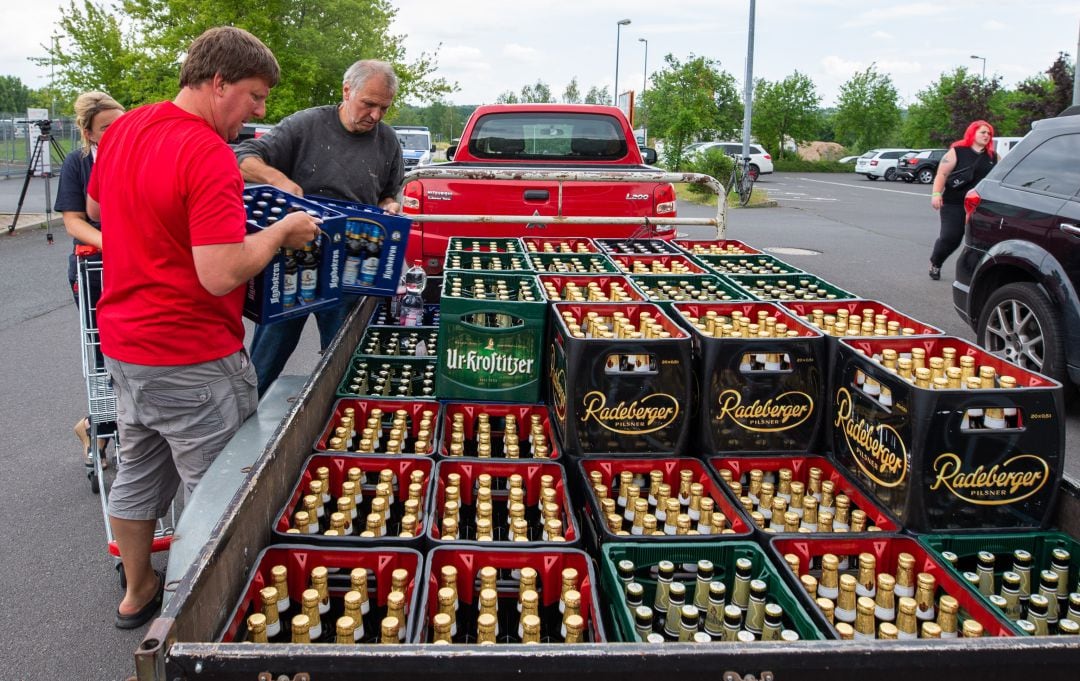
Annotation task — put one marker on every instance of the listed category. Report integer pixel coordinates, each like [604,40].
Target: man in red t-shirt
[176,256]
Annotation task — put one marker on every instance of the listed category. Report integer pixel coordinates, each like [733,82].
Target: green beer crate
[745,264]
[490,347]
[794,286]
[1041,546]
[486,261]
[572,263]
[664,289]
[722,554]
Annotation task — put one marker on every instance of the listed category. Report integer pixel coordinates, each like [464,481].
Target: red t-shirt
[166,182]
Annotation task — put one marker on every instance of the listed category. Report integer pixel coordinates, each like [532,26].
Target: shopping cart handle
[85,250]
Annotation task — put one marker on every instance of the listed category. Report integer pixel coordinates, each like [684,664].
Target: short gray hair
[358,74]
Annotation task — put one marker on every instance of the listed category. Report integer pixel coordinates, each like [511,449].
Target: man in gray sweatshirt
[341,151]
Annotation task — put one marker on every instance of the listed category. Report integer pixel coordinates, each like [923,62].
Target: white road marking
[873,189]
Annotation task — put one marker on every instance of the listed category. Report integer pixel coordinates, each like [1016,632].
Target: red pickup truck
[538,137]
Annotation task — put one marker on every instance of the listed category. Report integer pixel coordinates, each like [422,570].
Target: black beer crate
[407,378]
[487,261]
[597,475]
[549,563]
[374,250]
[723,555]
[673,264]
[735,473]
[399,341]
[665,289]
[284,290]
[485,245]
[572,263]
[380,564]
[619,395]
[886,549]
[490,349]
[497,415]
[610,286]
[715,247]
[338,467]
[927,454]
[745,264]
[756,394]
[783,287]
[500,471]
[637,246]
[965,549]
[364,409]
[555,244]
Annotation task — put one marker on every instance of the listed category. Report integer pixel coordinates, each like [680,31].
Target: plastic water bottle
[412,305]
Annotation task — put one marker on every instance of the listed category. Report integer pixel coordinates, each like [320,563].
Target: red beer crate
[608,472]
[500,471]
[338,466]
[886,550]
[363,409]
[656,264]
[864,309]
[619,395]
[756,394]
[380,564]
[554,244]
[738,469]
[949,459]
[715,247]
[497,414]
[549,564]
[613,286]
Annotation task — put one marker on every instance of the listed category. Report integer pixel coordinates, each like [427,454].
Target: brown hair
[231,52]
[87,106]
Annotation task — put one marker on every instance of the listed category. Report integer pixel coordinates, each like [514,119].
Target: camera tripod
[44,144]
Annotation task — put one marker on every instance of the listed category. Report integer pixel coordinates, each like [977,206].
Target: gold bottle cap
[887,631]
[256,623]
[827,607]
[388,630]
[972,629]
[949,605]
[300,624]
[345,627]
[906,605]
[845,631]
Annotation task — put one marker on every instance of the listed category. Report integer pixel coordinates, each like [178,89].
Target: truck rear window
[548,137]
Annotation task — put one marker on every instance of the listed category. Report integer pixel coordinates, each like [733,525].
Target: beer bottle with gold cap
[390,630]
[345,627]
[948,609]
[300,627]
[271,617]
[845,610]
[906,622]
[353,601]
[395,608]
[864,618]
[572,606]
[256,626]
[925,594]
[530,629]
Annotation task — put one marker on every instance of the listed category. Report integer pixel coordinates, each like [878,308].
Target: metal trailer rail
[217,546]
[564,176]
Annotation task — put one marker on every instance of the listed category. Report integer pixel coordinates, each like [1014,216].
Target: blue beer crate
[293,285]
[374,247]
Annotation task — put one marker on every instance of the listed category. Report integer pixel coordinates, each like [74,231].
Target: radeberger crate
[952,458]
[301,281]
[491,348]
[594,288]
[756,393]
[755,479]
[554,244]
[714,247]
[486,261]
[374,247]
[745,264]
[783,287]
[531,433]
[636,246]
[611,487]
[421,427]
[687,288]
[485,245]
[801,556]
[670,264]
[571,263]
[615,394]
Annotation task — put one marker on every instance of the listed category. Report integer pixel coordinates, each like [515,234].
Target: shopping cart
[101,404]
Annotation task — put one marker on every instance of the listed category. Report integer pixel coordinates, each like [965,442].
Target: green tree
[507,97]
[1044,96]
[538,93]
[137,58]
[785,109]
[944,109]
[867,113]
[690,100]
[572,95]
[598,95]
[14,95]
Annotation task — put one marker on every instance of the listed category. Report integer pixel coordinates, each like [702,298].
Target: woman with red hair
[968,161]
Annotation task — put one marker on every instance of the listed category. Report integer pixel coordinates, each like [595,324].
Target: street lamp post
[618,31]
[644,85]
[983,59]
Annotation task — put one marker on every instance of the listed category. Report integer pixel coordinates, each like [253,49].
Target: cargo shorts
[172,422]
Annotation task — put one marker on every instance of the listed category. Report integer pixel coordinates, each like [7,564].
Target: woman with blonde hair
[94,113]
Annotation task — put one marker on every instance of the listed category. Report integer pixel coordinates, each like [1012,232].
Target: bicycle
[742,180]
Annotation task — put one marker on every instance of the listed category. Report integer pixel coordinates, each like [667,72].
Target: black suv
[1018,274]
[920,165]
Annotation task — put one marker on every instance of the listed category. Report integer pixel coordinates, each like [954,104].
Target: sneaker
[935,273]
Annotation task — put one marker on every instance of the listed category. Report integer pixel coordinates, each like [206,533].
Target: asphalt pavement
[58,588]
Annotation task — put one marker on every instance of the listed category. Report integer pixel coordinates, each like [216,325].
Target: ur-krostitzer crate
[755,393]
[745,264]
[293,283]
[614,390]
[487,261]
[491,338]
[783,287]
[572,263]
[952,458]
[591,288]
[514,431]
[374,250]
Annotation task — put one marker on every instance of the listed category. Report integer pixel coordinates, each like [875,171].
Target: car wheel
[890,174]
[909,180]
[926,176]
[1020,324]
[871,177]
[755,172]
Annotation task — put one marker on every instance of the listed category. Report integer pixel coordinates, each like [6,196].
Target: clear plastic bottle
[411,312]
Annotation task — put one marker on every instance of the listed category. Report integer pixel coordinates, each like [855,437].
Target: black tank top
[966,157]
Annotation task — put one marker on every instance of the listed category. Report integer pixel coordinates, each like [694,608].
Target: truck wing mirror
[649,155]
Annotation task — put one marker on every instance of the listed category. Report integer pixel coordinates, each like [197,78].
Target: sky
[488,47]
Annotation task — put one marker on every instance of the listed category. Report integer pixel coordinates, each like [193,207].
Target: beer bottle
[308,262]
[985,570]
[885,599]
[390,630]
[714,612]
[948,608]
[571,602]
[828,585]
[441,632]
[846,602]
[773,623]
[1022,565]
[672,618]
[489,604]
[353,608]
[867,580]
[271,616]
[290,283]
[1010,592]
[448,604]
[344,629]
[256,626]
[530,629]
[925,593]
[311,610]
[575,628]
[905,576]
[887,631]
[1074,607]
[300,627]
[688,623]
[828,609]
[1038,607]
[810,583]
[705,572]
[740,596]
[864,618]
[665,575]
[971,629]
[905,619]
[358,582]
[755,613]
[732,622]
[1059,564]
[643,621]
[1048,589]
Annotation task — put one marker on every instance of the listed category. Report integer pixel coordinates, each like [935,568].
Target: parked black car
[921,165]
[1018,274]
